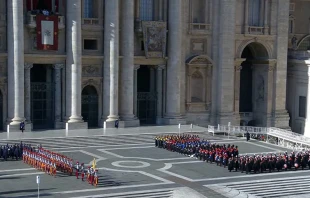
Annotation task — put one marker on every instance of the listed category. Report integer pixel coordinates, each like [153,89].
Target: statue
[294,42]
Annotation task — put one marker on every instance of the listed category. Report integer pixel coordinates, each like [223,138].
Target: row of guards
[91,172]
[51,163]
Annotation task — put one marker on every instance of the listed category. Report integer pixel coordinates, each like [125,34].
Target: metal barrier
[278,136]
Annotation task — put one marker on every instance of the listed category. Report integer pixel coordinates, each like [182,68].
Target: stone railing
[90,21]
[255,30]
[299,55]
[199,28]
[281,137]
[32,22]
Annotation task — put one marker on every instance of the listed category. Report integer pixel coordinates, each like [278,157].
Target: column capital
[58,66]
[137,67]
[238,61]
[238,68]
[271,67]
[272,62]
[28,65]
[161,67]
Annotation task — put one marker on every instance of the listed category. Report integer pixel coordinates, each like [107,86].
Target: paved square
[131,166]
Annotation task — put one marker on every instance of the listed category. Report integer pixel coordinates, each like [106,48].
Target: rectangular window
[146,10]
[42,5]
[90,44]
[302,106]
[88,8]
[254,12]
[291,27]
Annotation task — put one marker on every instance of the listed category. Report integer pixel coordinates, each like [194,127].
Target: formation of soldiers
[228,156]
[13,152]
[91,173]
[48,161]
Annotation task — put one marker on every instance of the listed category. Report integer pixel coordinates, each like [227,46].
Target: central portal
[146,95]
[42,97]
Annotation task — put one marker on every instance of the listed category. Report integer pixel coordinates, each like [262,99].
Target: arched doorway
[254,84]
[1,111]
[90,106]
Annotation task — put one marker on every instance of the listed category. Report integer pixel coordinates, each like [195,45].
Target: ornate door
[90,106]
[146,106]
[42,105]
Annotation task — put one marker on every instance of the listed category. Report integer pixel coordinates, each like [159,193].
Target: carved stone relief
[91,70]
[94,82]
[199,46]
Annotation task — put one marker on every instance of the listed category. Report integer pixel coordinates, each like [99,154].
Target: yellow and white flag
[94,163]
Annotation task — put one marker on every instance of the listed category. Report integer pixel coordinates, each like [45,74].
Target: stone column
[280,75]
[111,51]
[15,64]
[225,84]
[246,16]
[269,108]
[152,79]
[307,121]
[159,87]
[74,62]
[266,28]
[135,110]
[127,66]
[58,67]
[238,68]
[175,62]
[28,67]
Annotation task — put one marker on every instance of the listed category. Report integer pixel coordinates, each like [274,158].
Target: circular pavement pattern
[130,164]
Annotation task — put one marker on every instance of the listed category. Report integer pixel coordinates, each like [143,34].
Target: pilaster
[271,67]
[58,124]
[28,67]
[159,87]
[238,69]
[307,120]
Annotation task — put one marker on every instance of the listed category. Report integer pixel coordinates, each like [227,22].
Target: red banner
[47,32]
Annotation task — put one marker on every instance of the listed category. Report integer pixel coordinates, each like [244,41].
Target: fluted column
[15,61]
[159,87]
[58,68]
[28,67]
[111,53]
[175,62]
[127,63]
[74,59]
[135,111]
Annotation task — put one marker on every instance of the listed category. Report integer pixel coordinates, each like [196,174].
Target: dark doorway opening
[146,95]
[90,106]
[246,80]
[1,111]
[42,96]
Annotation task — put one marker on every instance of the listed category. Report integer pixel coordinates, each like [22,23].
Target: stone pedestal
[281,119]
[15,128]
[77,126]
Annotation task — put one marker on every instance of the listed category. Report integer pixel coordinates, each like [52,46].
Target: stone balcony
[256,30]
[246,116]
[31,21]
[199,28]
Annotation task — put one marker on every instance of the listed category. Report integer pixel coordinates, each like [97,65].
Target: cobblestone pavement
[130,166]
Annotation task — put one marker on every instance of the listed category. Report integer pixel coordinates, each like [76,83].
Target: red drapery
[48,4]
[40,45]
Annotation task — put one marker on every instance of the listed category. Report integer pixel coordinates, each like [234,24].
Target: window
[42,5]
[199,11]
[254,12]
[291,26]
[88,8]
[90,44]
[302,106]
[146,10]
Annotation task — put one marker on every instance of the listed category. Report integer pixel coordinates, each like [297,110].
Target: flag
[94,163]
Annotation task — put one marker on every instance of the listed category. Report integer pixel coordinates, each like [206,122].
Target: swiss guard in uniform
[77,167]
[82,171]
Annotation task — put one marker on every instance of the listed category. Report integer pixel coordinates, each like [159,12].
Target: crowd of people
[228,156]
[13,152]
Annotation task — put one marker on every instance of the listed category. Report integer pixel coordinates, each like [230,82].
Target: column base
[59,125]
[269,120]
[15,128]
[173,121]
[76,126]
[129,123]
[281,120]
[160,121]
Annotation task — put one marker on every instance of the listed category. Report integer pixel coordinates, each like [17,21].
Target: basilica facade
[87,63]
